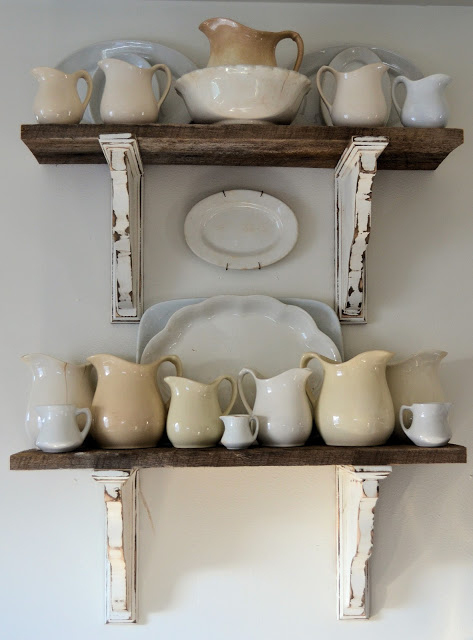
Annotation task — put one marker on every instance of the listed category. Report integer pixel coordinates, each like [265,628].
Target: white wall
[232,553]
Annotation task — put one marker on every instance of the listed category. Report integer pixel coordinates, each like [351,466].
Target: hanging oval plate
[241,229]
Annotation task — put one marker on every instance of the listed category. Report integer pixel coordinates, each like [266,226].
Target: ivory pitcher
[57,100]
[354,407]
[359,99]
[128,411]
[56,382]
[193,420]
[231,43]
[282,407]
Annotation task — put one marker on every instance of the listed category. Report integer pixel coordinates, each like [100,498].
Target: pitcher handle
[293,35]
[397,80]
[241,375]
[306,358]
[255,420]
[86,412]
[175,360]
[168,73]
[232,381]
[404,407]
[317,80]
[90,85]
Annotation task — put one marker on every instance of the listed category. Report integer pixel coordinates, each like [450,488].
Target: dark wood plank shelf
[221,457]
[241,144]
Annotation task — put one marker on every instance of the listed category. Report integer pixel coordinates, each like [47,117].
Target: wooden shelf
[221,457]
[241,144]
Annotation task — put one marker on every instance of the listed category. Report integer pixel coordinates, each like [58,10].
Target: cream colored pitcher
[57,100]
[354,407]
[128,97]
[194,413]
[231,43]
[128,411]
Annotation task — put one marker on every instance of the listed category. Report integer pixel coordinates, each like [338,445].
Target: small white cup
[59,430]
[429,426]
[241,431]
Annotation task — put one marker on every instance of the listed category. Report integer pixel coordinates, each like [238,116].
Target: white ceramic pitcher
[425,104]
[282,407]
[57,100]
[359,99]
[429,424]
[59,430]
[128,96]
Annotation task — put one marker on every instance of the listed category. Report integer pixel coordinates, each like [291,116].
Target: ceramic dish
[223,334]
[311,112]
[141,54]
[241,229]
[243,93]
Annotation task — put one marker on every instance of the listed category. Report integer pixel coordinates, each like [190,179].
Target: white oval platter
[223,334]
[241,229]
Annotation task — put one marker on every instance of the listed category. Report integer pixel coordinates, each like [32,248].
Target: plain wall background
[232,553]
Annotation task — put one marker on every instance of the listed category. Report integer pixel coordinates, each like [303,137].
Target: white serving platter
[241,229]
[223,334]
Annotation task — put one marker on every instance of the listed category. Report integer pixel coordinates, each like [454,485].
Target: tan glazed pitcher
[57,100]
[354,407]
[127,410]
[232,43]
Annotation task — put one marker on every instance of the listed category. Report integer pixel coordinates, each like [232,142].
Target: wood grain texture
[241,144]
[221,457]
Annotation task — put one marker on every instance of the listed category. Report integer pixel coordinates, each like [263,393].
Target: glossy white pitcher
[59,430]
[282,407]
[425,104]
[429,425]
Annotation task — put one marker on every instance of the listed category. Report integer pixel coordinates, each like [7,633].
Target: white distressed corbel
[354,175]
[126,169]
[120,491]
[357,494]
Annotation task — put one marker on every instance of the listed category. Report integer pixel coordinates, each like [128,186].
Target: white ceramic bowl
[243,93]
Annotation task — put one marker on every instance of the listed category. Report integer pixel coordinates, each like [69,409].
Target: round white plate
[311,112]
[142,54]
[241,229]
[223,334]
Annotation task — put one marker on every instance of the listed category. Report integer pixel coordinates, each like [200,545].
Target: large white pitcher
[56,382]
[282,407]
[128,96]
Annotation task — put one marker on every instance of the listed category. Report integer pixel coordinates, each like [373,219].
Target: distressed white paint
[120,489]
[354,175]
[357,494]
[126,169]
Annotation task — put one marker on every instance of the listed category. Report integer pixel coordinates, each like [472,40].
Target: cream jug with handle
[359,99]
[128,411]
[354,407]
[425,104]
[415,379]
[282,407]
[429,423]
[57,100]
[232,43]
[56,382]
[128,97]
[193,420]
[59,430]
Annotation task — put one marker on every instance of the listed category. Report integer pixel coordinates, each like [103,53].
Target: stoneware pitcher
[429,424]
[415,379]
[128,411]
[59,430]
[232,43]
[354,407]
[359,99]
[56,382]
[282,407]
[194,413]
[128,97]
[57,100]
[425,104]
[241,431]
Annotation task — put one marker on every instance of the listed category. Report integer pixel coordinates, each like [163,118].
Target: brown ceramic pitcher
[232,43]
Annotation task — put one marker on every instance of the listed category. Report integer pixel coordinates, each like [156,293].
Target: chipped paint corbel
[354,175]
[357,494]
[120,491]
[126,169]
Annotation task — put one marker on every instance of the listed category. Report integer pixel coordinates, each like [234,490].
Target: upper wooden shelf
[241,144]
[221,457]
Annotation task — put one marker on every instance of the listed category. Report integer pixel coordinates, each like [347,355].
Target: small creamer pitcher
[425,104]
[429,425]
[59,431]
[57,100]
